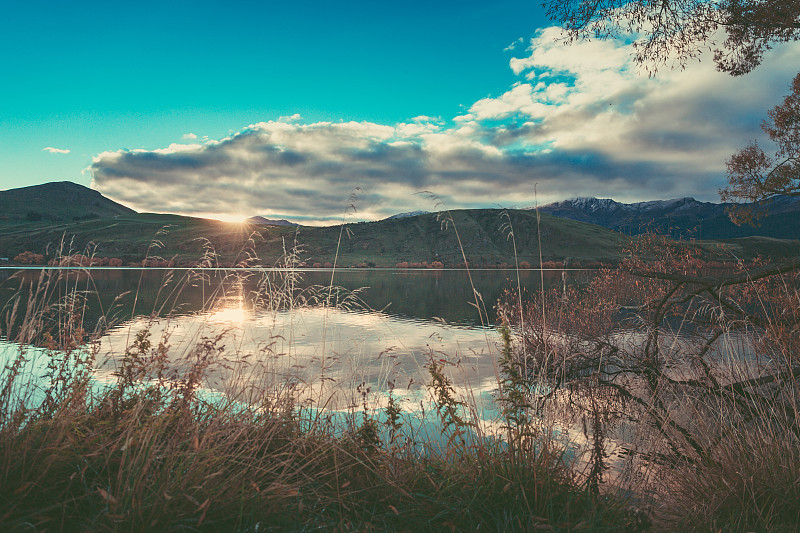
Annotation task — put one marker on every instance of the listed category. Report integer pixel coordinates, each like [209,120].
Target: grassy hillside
[422,238]
[58,201]
[484,237]
[126,236]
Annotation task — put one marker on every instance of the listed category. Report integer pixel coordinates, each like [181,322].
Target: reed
[154,439]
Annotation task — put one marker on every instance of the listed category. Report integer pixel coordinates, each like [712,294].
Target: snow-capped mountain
[680,217]
[406,215]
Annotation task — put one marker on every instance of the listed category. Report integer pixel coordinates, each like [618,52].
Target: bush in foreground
[688,376]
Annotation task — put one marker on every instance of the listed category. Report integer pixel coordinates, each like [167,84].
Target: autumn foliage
[29,258]
[754,175]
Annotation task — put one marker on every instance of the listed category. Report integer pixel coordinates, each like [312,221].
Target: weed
[152,445]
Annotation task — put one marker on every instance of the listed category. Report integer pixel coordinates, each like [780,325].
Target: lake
[279,332]
[444,296]
[377,329]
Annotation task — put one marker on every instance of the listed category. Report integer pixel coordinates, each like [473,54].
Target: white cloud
[291,118]
[426,118]
[513,45]
[590,98]
[580,121]
[55,150]
[189,136]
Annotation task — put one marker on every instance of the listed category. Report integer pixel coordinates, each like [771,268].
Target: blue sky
[231,109]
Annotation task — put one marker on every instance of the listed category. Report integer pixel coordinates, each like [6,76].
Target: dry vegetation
[684,380]
[149,447]
[662,396]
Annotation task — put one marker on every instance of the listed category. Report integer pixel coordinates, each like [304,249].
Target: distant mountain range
[406,215]
[681,217]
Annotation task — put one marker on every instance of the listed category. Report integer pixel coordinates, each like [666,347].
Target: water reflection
[121,294]
[272,332]
[315,346]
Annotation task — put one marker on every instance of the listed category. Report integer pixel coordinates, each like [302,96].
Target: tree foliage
[738,31]
[753,175]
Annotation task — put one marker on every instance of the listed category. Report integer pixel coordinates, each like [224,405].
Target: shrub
[695,376]
[29,258]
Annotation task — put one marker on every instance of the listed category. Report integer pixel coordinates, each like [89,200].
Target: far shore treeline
[85,261]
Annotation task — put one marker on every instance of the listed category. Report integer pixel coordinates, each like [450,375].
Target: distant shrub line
[79,260]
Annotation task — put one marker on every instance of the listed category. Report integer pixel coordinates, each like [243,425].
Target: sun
[236,218]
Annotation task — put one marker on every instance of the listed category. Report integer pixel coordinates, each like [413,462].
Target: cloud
[55,150]
[589,98]
[426,118]
[291,118]
[580,121]
[189,136]
[511,47]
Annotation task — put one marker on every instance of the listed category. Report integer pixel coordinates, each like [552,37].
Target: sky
[232,109]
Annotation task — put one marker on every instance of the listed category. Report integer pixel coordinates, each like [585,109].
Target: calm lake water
[443,296]
[379,333]
[383,326]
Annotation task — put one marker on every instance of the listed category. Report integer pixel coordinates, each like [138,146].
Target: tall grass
[661,396]
[160,443]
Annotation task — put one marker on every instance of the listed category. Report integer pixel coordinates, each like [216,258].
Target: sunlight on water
[231,308]
[316,346]
[231,315]
[332,357]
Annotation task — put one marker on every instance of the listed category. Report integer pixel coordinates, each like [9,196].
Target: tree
[679,30]
[753,175]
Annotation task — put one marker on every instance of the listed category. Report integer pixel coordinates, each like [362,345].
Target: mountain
[258,220]
[423,238]
[483,237]
[406,215]
[56,201]
[681,217]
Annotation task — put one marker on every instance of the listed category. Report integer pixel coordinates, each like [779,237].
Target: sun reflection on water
[231,307]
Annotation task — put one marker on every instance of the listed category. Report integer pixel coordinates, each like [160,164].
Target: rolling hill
[55,202]
[483,233]
[420,238]
[87,223]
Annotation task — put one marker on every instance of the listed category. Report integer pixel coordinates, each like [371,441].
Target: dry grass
[151,448]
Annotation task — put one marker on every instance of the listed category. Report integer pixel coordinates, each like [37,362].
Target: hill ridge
[57,201]
[681,217]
